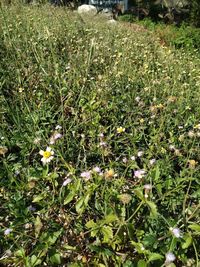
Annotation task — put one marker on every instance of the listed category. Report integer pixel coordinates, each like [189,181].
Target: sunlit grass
[114,117]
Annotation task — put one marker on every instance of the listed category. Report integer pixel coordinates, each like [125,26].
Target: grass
[120,113]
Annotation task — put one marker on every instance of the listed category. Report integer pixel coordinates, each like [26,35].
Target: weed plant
[99,153]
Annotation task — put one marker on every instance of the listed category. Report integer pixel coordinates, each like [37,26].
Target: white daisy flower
[47,155]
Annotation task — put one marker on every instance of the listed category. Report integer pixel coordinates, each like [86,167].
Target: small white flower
[86,175]
[55,137]
[191,134]
[169,257]
[96,169]
[103,144]
[137,99]
[101,135]
[152,161]
[37,140]
[140,153]
[125,160]
[176,232]
[133,158]
[67,181]
[47,155]
[139,174]
[171,147]
[148,186]
[7,231]
[58,127]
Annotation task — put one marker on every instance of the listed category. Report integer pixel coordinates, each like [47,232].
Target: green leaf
[67,247]
[154,257]
[139,194]
[128,263]
[20,253]
[86,199]
[55,259]
[195,227]
[139,247]
[38,226]
[131,231]
[38,198]
[110,218]
[107,233]
[35,261]
[91,224]
[150,240]
[157,174]
[69,197]
[80,205]
[52,237]
[153,208]
[141,263]
[188,241]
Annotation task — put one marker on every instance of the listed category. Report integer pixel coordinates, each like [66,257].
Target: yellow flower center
[47,154]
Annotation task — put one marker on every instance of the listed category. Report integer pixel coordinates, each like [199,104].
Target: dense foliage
[99,152]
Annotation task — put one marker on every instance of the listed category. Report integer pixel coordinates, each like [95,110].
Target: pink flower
[139,174]
[176,232]
[96,169]
[86,175]
[170,257]
[7,231]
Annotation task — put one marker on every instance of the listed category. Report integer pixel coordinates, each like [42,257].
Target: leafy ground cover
[185,36]
[99,150]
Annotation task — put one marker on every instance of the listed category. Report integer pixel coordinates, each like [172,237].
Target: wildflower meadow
[99,143]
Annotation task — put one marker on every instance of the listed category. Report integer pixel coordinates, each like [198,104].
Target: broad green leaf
[67,247]
[188,241]
[128,263]
[69,197]
[142,263]
[52,237]
[195,227]
[86,199]
[131,230]
[38,226]
[80,205]
[91,224]
[55,259]
[157,174]
[153,208]
[107,233]
[20,253]
[94,232]
[35,261]
[154,257]
[139,194]
[139,247]
[38,198]
[109,218]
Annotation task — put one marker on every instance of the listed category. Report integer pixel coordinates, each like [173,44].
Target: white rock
[89,9]
[112,22]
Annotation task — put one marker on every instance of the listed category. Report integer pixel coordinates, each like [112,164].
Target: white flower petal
[41,152]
